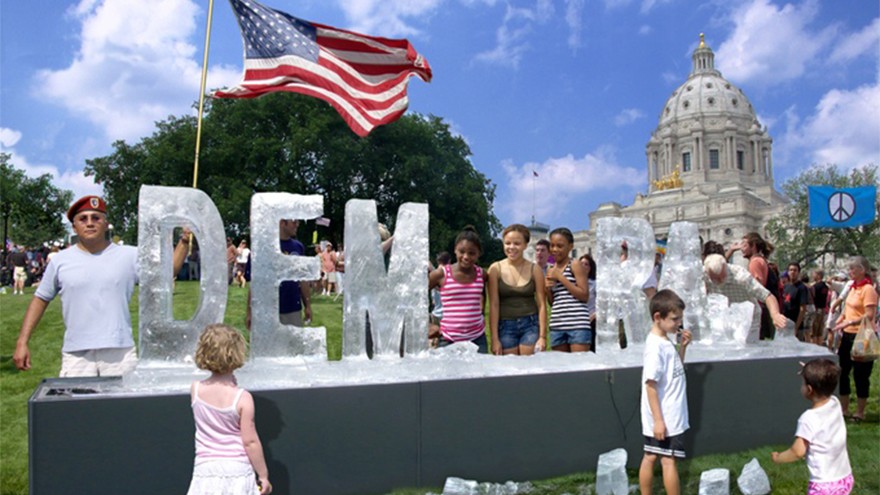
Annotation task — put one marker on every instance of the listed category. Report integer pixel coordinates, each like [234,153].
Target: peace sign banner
[840,207]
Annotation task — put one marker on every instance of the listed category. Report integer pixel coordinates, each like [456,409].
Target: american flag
[363,77]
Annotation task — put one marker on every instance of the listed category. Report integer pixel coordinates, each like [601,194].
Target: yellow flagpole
[202,94]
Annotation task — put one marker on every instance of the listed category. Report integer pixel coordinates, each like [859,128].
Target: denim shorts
[562,337]
[519,331]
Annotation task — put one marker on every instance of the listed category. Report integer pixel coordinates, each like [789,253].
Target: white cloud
[770,44]
[387,17]
[562,179]
[645,29]
[75,181]
[574,18]
[865,41]
[510,38]
[134,66]
[510,42]
[8,137]
[845,129]
[670,77]
[628,116]
[647,5]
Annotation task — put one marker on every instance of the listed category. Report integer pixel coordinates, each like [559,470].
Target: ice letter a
[619,283]
[160,210]
[269,267]
[683,274]
[395,302]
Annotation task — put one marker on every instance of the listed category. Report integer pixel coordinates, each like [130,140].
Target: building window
[714,162]
[741,160]
[686,161]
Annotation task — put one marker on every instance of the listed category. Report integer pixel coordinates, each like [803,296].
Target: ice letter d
[160,210]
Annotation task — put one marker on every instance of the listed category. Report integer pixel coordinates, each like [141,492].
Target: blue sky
[570,89]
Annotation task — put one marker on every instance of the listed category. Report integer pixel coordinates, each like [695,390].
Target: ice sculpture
[269,267]
[459,486]
[683,273]
[611,473]
[619,284]
[753,480]
[729,322]
[160,210]
[394,302]
[715,482]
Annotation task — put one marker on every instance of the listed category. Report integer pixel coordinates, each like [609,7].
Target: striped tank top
[567,312]
[462,307]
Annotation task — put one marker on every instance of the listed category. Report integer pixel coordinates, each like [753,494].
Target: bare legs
[670,474]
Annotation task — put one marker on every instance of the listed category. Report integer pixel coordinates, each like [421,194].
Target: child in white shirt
[821,433]
[664,393]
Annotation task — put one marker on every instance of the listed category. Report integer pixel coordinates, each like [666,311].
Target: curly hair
[221,349]
[469,233]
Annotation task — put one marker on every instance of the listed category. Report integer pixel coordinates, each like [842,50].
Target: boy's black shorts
[670,447]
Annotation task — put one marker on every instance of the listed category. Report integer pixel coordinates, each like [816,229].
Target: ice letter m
[394,303]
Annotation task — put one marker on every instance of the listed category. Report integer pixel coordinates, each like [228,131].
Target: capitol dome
[708,133]
[706,93]
[709,162]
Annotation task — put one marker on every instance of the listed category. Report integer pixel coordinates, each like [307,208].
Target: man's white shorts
[98,362]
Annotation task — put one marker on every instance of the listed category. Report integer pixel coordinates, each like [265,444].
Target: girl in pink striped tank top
[228,449]
[462,293]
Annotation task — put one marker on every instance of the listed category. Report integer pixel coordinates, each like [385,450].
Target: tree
[292,143]
[797,242]
[31,209]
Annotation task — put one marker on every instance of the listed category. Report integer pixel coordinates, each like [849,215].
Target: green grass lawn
[16,387]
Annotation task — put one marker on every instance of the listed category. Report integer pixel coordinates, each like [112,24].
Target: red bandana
[864,281]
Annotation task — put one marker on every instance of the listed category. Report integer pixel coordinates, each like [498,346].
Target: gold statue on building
[671,181]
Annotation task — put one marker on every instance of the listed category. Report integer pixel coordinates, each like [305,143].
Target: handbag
[866,346]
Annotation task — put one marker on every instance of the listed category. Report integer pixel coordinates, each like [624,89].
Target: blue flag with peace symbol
[841,207]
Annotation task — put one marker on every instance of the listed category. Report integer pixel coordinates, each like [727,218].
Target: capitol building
[709,161]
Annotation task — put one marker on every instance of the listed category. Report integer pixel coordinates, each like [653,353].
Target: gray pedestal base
[373,438]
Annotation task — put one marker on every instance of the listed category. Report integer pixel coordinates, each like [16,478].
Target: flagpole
[533,197]
[202,94]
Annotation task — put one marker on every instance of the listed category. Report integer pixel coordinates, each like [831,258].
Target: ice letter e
[683,274]
[269,267]
[619,283]
[395,302]
[160,210]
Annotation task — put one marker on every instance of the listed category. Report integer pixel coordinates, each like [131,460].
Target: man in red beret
[95,279]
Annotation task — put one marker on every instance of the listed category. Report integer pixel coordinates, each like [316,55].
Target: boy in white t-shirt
[664,393]
[821,433]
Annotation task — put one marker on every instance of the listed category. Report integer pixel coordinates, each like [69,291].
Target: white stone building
[709,161]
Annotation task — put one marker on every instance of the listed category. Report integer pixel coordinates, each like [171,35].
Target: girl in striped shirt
[568,292]
[462,291]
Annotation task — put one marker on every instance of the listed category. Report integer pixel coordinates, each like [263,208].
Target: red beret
[95,203]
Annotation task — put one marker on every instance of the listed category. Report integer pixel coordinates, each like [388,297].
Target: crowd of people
[24,266]
[533,306]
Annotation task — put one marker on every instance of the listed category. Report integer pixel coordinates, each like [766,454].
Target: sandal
[855,419]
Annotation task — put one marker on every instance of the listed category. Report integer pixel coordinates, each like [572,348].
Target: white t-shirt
[823,428]
[662,365]
[95,291]
[242,256]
